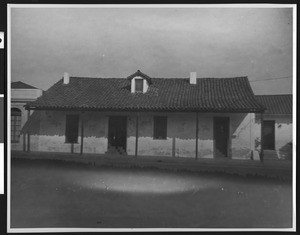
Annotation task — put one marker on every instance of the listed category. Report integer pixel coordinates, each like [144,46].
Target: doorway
[221,137]
[269,134]
[117,134]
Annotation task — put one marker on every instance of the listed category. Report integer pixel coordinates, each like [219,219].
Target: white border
[8,95]
[152,6]
[36,230]
[294,111]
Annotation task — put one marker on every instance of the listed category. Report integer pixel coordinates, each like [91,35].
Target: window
[72,122]
[160,128]
[139,85]
[15,125]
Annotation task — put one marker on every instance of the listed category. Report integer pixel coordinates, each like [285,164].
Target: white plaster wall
[182,127]
[205,136]
[52,132]
[95,132]
[180,131]
[25,94]
[131,120]
[181,134]
[52,128]
[242,139]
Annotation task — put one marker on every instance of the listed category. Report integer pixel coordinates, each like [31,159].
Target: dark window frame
[160,127]
[142,85]
[15,116]
[72,128]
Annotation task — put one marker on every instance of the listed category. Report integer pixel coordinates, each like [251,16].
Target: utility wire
[270,79]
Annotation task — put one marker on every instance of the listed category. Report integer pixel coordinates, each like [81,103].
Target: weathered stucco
[180,141]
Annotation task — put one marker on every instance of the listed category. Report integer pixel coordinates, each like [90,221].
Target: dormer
[140,82]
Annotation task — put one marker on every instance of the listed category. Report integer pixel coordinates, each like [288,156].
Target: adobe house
[277,125]
[175,117]
[21,93]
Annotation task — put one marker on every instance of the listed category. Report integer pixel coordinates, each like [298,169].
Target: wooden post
[28,133]
[82,133]
[136,134]
[28,142]
[197,127]
[24,142]
[262,137]
[173,146]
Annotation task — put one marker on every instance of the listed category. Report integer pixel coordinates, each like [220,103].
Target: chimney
[193,78]
[66,78]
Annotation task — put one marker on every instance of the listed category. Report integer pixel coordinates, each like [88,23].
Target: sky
[161,42]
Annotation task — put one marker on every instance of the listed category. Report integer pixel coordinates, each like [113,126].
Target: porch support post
[28,133]
[262,137]
[136,134]
[24,142]
[82,132]
[197,127]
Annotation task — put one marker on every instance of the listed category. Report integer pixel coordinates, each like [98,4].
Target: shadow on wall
[286,151]
[236,121]
[181,128]
[45,123]
[285,119]
[95,125]
[184,128]
[53,123]
[33,124]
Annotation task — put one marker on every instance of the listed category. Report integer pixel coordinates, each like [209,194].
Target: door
[117,133]
[269,135]
[221,136]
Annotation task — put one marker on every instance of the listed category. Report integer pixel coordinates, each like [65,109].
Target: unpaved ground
[60,194]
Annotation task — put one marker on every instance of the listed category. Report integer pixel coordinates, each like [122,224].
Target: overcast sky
[95,42]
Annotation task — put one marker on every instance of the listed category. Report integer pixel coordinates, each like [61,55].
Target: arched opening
[15,125]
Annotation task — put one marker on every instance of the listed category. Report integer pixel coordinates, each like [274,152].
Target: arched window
[15,125]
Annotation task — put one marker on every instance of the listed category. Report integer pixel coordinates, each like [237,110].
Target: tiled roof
[276,104]
[21,85]
[164,94]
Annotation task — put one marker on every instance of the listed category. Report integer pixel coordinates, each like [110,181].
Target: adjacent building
[21,93]
[277,124]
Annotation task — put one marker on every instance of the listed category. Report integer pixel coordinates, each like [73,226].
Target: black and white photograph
[136,118]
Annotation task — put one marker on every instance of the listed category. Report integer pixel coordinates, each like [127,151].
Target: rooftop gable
[140,74]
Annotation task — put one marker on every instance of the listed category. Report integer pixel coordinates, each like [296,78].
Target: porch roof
[164,94]
[277,104]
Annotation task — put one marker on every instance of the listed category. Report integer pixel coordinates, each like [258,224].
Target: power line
[267,79]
